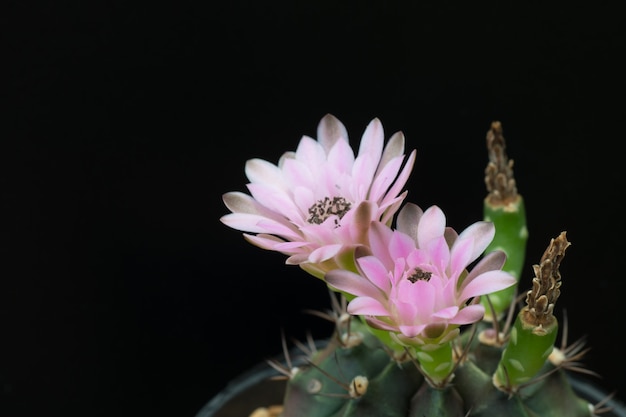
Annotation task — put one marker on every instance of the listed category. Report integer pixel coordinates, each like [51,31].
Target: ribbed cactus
[418,333]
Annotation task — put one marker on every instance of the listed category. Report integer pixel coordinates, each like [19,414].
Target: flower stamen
[419,274]
[323,209]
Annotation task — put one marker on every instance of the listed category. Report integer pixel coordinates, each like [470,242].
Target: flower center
[323,209]
[419,274]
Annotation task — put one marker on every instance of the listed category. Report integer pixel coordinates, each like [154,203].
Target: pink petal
[487,283]
[341,157]
[492,261]
[482,234]
[299,259]
[311,154]
[384,179]
[375,271]
[358,221]
[469,314]
[352,283]
[402,178]
[431,226]
[257,224]
[447,313]
[377,323]
[298,174]
[329,131]
[460,256]
[363,173]
[388,208]
[287,246]
[283,229]
[274,199]
[238,202]
[263,241]
[411,331]
[367,306]
[393,149]
[408,219]
[372,139]
[303,198]
[440,255]
[400,245]
[423,296]
[261,171]
[379,235]
[405,313]
[324,253]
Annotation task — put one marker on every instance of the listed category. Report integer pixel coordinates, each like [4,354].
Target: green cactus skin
[511,237]
[397,389]
[319,390]
[526,352]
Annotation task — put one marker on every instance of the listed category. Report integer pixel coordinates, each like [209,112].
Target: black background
[123,294]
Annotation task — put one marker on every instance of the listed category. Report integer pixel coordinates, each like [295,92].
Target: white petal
[408,219]
[393,149]
[261,171]
[372,140]
[482,234]
[329,131]
[431,226]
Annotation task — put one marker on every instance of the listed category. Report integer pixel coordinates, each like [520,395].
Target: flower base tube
[436,362]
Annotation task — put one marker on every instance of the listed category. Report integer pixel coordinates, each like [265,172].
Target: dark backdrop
[123,294]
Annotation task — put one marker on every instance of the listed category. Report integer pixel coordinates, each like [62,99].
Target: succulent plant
[428,321]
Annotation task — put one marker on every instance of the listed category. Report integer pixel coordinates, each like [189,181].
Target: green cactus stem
[503,206]
[436,361]
[534,333]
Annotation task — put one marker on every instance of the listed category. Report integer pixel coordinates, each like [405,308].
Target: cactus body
[397,389]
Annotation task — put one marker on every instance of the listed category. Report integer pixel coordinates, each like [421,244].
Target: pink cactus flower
[415,282]
[316,205]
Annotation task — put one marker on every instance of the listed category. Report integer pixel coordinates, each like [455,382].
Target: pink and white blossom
[317,203]
[414,281]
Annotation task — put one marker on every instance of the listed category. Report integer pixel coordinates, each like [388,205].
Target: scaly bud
[503,206]
[535,330]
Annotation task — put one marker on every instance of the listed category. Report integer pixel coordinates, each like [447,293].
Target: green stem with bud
[534,333]
[526,353]
[505,208]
